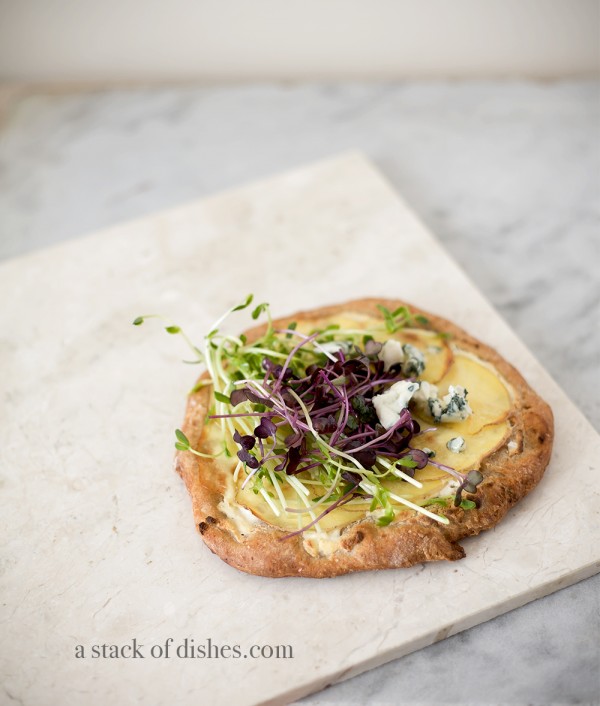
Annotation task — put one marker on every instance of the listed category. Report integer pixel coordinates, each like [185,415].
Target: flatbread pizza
[361,436]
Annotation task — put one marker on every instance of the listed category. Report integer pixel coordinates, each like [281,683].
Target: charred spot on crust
[203,526]
[350,542]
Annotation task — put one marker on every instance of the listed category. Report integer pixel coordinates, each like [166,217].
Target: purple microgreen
[469,485]
[246,442]
[373,348]
[326,424]
[237,397]
[293,440]
[366,457]
[351,477]
[265,429]
[248,458]
[420,458]
[448,469]
[293,459]
[474,477]
[243,394]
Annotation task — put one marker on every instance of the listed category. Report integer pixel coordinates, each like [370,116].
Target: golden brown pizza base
[413,538]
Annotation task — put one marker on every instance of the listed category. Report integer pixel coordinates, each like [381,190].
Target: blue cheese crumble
[456,445]
[389,404]
[453,407]
[409,357]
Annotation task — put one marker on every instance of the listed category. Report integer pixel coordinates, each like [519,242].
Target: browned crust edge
[365,546]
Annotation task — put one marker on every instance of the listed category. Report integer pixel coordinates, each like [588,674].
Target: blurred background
[484,114]
[216,40]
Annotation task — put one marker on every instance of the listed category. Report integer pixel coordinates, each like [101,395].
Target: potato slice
[478,445]
[488,396]
[437,352]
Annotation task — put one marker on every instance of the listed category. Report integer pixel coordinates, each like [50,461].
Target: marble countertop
[506,175]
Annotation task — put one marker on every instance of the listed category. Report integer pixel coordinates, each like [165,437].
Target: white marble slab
[100,545]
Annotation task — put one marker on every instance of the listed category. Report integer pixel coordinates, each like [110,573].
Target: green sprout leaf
[182,438]
[244,304]
[421,319]
[292,326]
[402,311]
[172,329]
[138,321]
[386,518]
[220,397]
[259,310]
[397,319]
[407,462]
[436,501]
[388,318]
[468,505]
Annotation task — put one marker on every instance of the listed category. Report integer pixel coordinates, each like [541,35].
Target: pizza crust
[509,474]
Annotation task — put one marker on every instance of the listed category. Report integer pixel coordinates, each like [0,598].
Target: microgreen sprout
[469,484]
[400,317]
[183,444]
[172,329]
[297,407]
